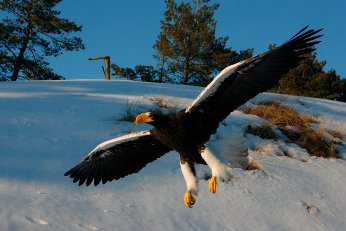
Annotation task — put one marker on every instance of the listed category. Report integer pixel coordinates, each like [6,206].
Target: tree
[147,73]
[162,53]
[141,72]
[127,72]
[187,49]
[309,79]
[32,31]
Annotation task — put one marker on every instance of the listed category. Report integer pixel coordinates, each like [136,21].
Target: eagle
[188,130]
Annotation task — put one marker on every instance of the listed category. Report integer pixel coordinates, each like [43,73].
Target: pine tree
[126,72]
[162,53]
[147,73]
[32,31]
[309,79]
[187,49]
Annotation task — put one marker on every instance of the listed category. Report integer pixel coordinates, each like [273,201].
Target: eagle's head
[152,118]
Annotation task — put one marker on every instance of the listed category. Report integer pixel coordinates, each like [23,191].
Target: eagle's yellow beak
[144,118]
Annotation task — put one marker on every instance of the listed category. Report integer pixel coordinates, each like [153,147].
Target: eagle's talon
[212,184]
[189,200]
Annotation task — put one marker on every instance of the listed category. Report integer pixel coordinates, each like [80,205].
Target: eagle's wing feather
[117,158]
[242,81]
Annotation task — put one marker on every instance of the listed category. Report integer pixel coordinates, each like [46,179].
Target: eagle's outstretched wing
[242,81]
[117,158]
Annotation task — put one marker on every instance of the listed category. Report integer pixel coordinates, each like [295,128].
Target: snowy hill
[47,127]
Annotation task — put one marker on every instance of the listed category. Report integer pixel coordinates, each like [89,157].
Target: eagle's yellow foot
[189,200]
[212,184]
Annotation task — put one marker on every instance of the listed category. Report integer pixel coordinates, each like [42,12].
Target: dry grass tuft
[265,132]
[336,134]
[279,114]
[311,208]
[160,106]
[253,165]
[129,114]
[160,102]
[295,126]
[316,143]
[163,102]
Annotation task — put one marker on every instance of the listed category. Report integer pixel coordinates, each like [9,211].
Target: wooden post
[106,68]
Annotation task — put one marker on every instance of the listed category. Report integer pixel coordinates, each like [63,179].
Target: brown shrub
[336,134]
[160,106]
[253,165]
[129,114]
[265,132]
[160,102]
[163,102]
[317,144]
[295,126]
[279,114]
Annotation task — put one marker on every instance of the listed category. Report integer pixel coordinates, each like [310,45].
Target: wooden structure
[106,68]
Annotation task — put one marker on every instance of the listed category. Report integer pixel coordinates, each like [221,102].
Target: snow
[47,127]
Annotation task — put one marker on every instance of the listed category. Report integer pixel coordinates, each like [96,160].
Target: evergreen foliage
[309,79]
[141,72]
[30,32]
[146,73]
[187,48]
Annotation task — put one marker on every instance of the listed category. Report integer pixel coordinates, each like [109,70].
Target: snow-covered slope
[47,127]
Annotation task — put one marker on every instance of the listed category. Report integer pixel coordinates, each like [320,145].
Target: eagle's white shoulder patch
[113,142]
[213,86]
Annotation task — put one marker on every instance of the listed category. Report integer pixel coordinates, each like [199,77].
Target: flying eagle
[188,130]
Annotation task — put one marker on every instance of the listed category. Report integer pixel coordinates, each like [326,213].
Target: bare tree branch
[9,49]
[97,58]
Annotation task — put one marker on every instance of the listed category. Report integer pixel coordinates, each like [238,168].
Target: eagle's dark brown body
[177,131]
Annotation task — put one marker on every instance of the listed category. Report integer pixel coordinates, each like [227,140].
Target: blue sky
[127,29]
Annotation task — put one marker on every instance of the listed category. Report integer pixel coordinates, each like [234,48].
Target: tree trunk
[107,68]
[107,72]
[186,72]
[161,69]
[19,59]
[16,69]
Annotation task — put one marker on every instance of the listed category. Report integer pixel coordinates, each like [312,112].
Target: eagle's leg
[189,173]
[218,169]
